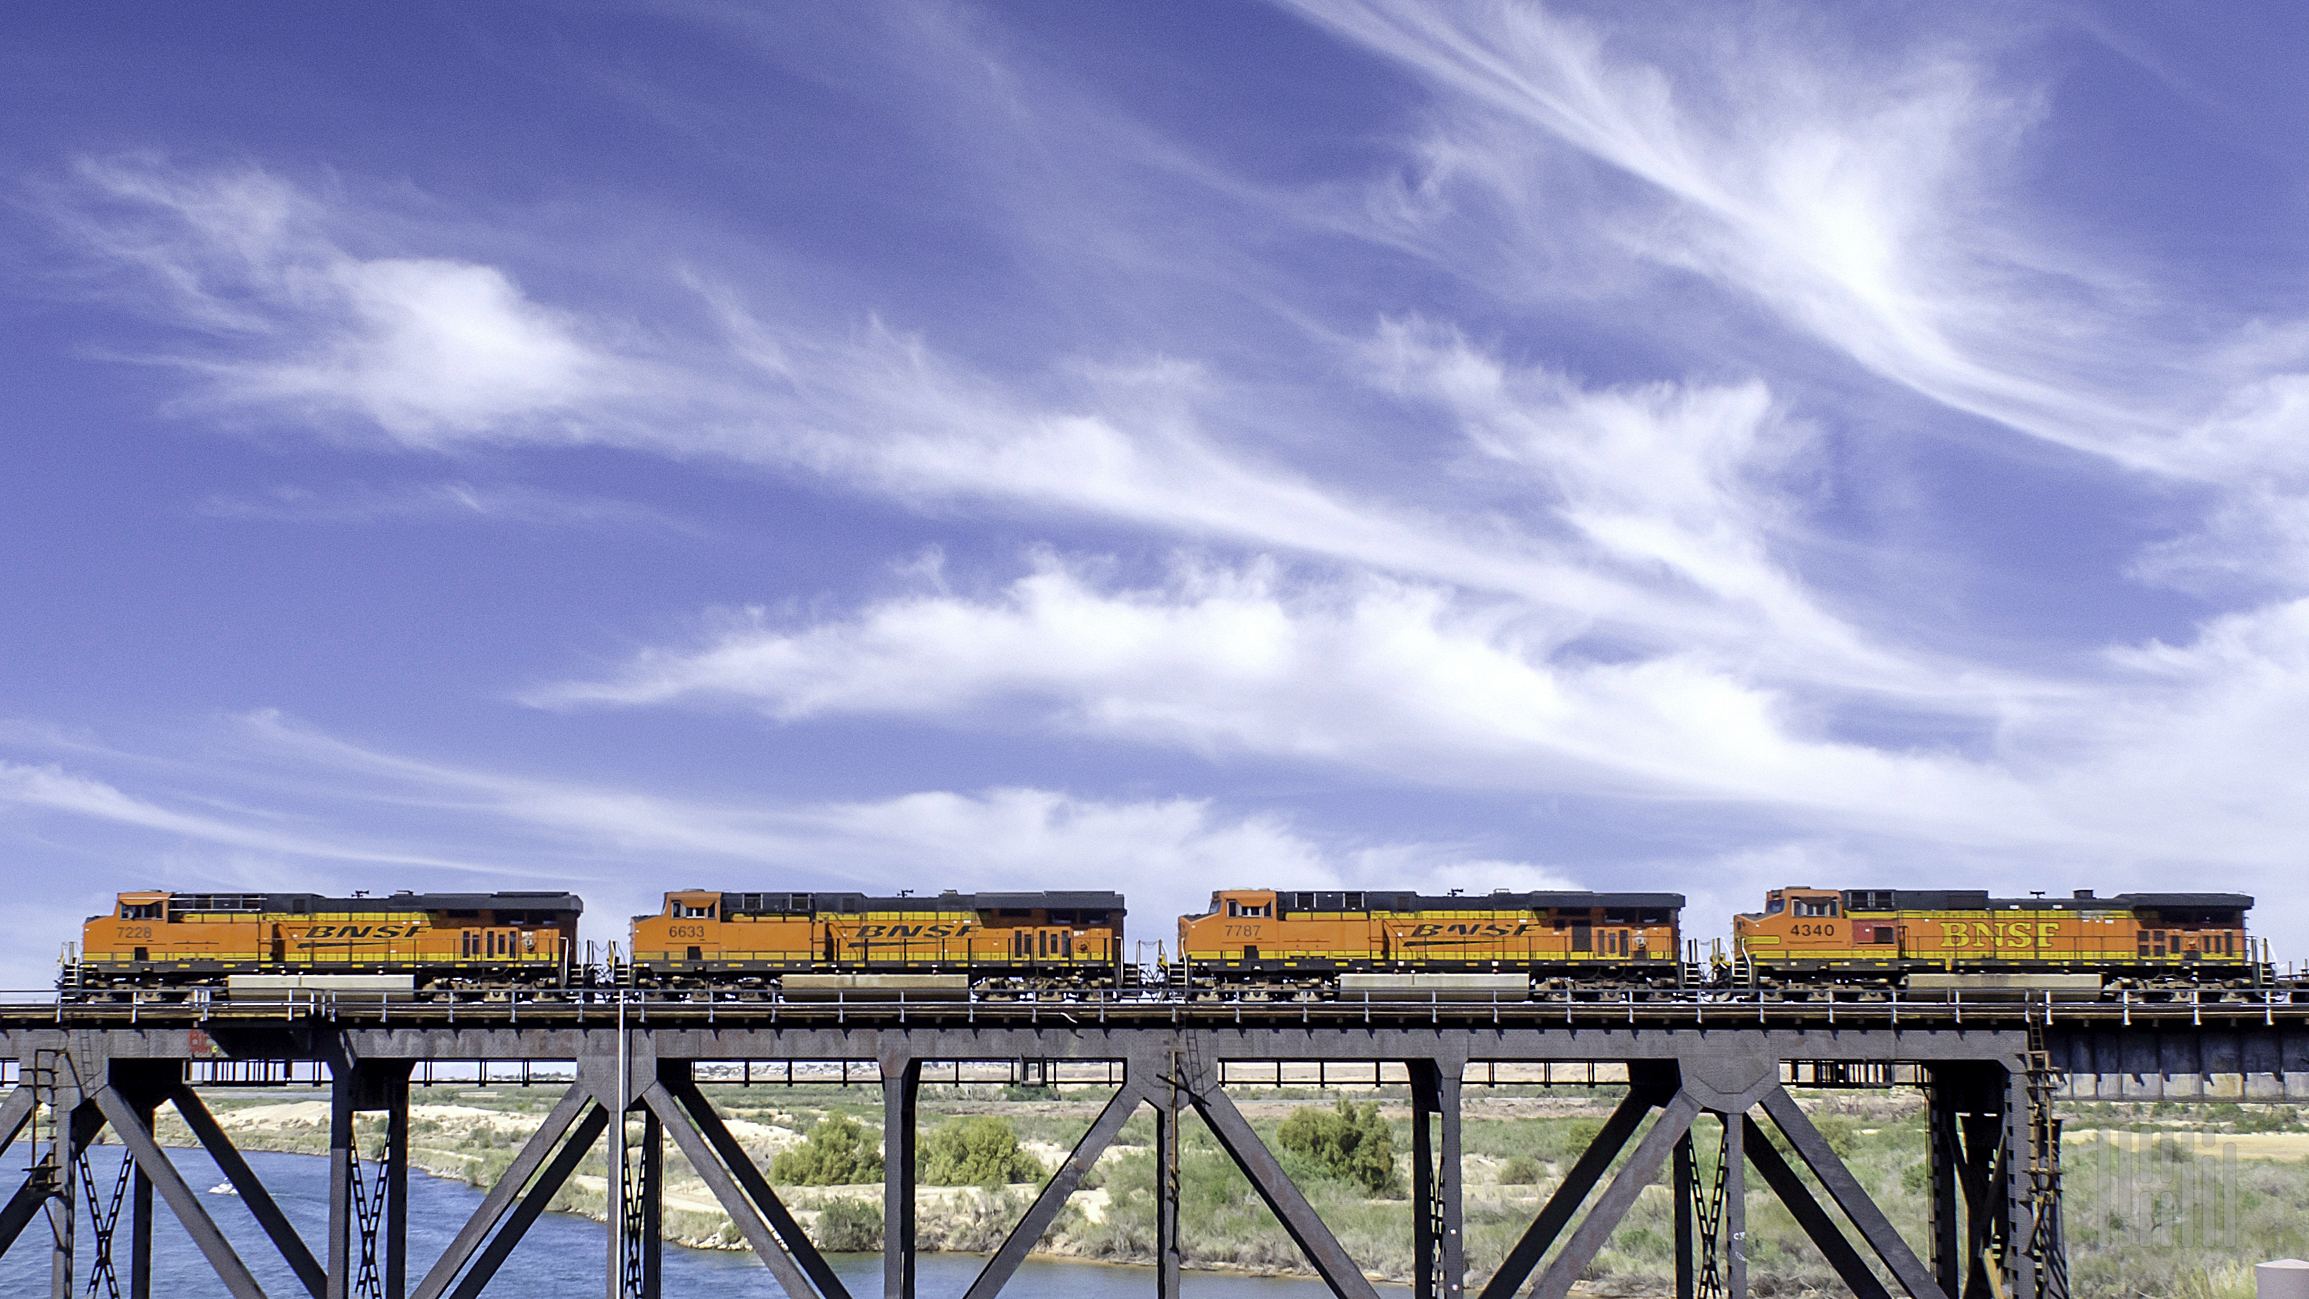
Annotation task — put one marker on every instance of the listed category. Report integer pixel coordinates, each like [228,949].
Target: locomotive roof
[1538,900]
[950,900]
[1979,900]
[403,901]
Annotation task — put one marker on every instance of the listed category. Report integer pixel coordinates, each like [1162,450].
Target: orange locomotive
[1497,944]
[1927,939]
[273,941]
[829,941]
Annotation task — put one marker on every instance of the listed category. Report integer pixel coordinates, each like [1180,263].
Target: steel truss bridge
[1707,1071]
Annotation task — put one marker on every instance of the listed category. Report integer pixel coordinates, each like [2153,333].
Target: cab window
[1815,906]
[140,910]
[684,911]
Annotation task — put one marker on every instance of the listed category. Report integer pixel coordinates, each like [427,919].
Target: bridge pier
[1170,1257]
[368,1249]
[1993,1164]
[1438,1218]
[642,1215]
[901,1083]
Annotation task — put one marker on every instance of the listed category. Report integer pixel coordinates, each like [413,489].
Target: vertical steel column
[614,1159]
[1944,1156]
[901,1078]
[368,1221]
[1983,1202]
[1687,1189]
[1735,1207]
[2047,1240]
[339,1261]
[1425,1224]
[63,1222]
[397,1187]
[1168,1259]
[140,1218]
[652,1205]
[1449,1190]
[2019,1188]
[76,1122]
[633,1195]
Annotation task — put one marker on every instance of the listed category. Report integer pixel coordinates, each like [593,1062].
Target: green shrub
[1916,1178]
[1842,1134]
[975,1152]
[2274,1118]
[848,1227]
[838,1153]
[1351,1143]
[1522,1170]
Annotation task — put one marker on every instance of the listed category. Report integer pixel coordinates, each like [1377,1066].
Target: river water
[562,1256]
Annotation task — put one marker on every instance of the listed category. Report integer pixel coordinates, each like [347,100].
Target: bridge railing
[1725,1006]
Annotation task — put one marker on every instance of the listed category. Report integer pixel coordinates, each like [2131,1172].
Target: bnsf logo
[364,931]
[1472,929]
[949,929]
[2000,933]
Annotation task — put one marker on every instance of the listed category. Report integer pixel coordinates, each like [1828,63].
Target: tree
[838,1153]
[1351,1143]
[976,1152]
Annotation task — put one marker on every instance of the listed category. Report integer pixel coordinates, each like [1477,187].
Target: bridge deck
[2268,1008]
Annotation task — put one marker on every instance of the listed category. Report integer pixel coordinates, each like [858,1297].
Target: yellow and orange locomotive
[823,942]
[1261,943]
[1952,939]
[1389,942]
[285,941]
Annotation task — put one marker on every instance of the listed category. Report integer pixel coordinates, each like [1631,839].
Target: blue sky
[638,446]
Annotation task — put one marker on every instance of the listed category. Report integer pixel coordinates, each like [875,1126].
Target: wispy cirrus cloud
[279,316]
[1857,206]
[1875,203]
[1149,445]
[445,501]
[52,788]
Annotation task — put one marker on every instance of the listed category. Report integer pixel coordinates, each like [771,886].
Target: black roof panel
[802,902]
[568,903]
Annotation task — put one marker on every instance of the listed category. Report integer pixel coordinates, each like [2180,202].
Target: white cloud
[1667,482]
[2176,757]
[1380,675]
[430,351]
[444,356]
